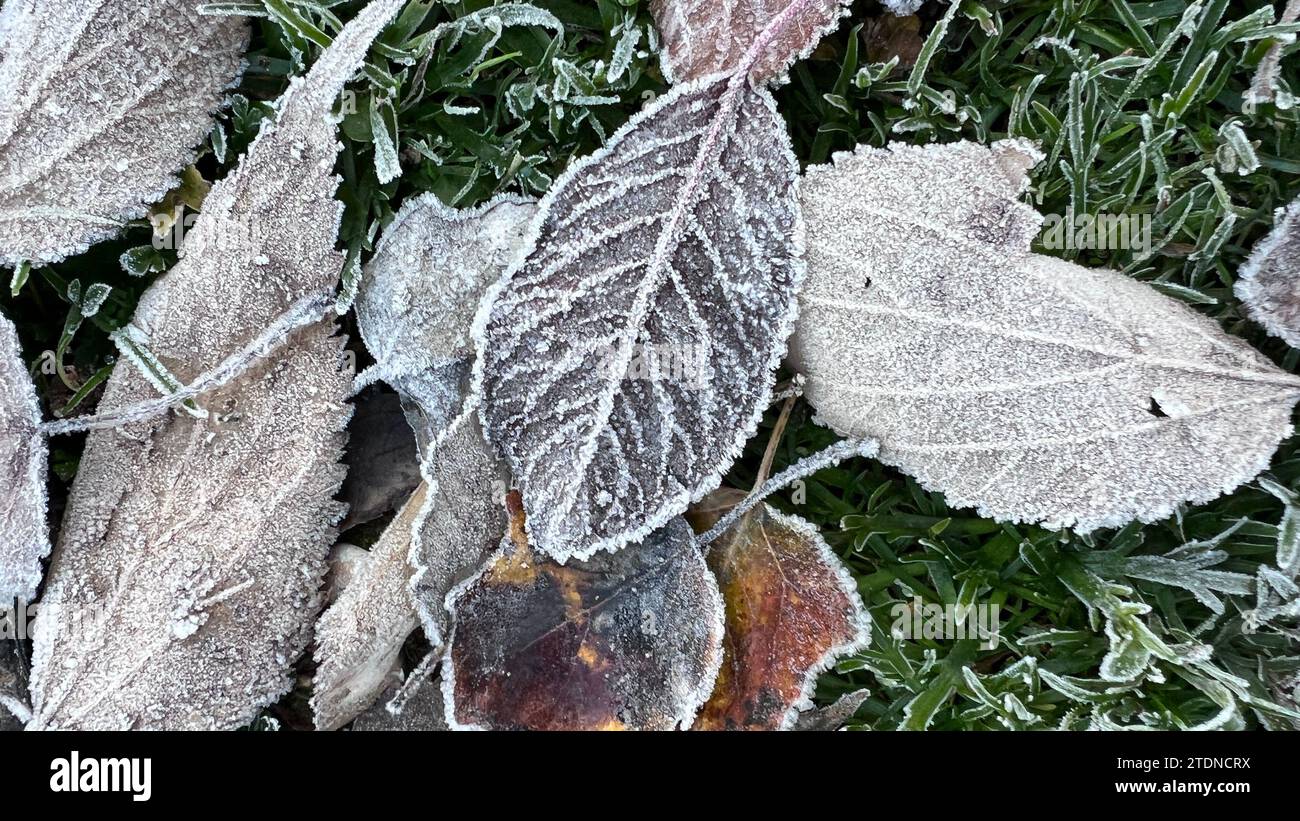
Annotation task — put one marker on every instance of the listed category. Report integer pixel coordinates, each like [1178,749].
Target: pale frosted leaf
[383,467]
[24,536]
[1024,385]
[703,37]
[198,544]
[630,640]
[421,291]
[102,103]
[792,611]
[462,521]
[358,638]
[902,7]
[628,357]
[1269,282]
[1264,88]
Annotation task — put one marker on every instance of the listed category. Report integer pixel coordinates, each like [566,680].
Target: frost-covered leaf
[1026,386]
[358,638]
[420,293]
[383,465]
[24,536]
[420,712]
[630,640]
[703,37]
[462,520]
[792,610]
[1269,282]
[196,545]
[626,359]
[104,103]
[1265,88]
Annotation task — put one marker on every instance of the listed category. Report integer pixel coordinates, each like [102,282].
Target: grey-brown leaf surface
[383,465]
[421,712]
[625,361]
[358,638]
[24,536]
[1269,282]
[462,521]
[1029,387]
[189,568]
[703,37]
[102,103]
[420,293]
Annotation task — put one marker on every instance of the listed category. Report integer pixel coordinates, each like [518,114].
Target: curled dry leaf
[24,535]
[704,37]
[630,640]
[420,293]
[792,610]
[1269,282]
[383,465]
[189,568]
[359,637]
[462,520]
[104,104]
[1029,387]
[627,358]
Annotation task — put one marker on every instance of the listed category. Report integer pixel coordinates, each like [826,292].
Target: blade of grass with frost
[1031,388]
[359,637]
[1269,283]
[202,542]
[105,103]
[626,359]
[24,535]
[420,292]
[704,37]
[1264,88]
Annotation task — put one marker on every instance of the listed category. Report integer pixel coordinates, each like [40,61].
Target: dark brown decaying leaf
[383,465]
[625,361]
[104,102]
[24,535]
[189,568]
[1026,386]
[703,37]
[1269,282]
[630,640]
[792,610]
[359,637]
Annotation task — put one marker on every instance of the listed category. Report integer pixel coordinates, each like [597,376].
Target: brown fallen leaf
[834,716]
[889,36]
[792,610]
[630,640]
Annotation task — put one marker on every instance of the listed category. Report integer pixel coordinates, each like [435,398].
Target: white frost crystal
[1269,282]
[24,536]
[103,104]
[189,568]
[1029,387]
[628,357]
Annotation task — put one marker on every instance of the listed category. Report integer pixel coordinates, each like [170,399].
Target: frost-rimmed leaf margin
[1253,292]
[674,506]
[25,542]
